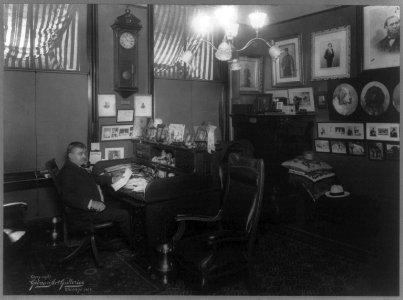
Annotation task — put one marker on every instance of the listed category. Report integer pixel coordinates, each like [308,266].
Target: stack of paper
[123,180]
[136,184]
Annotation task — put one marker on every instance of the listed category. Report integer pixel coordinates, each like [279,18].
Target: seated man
[82,194]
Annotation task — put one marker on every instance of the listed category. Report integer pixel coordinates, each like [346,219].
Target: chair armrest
[14,204]
[227,236]
[200,218]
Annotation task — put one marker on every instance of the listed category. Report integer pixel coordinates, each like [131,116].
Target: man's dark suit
[78,187]
[384,45]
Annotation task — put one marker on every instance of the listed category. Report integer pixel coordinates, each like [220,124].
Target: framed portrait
[374,99]
[251,74]
[114,153]
[383,131]
[287,70]
[263,103]
[392,151]
[381,37]
[107,105]
[338,146]
[176,133]
[322,146]
[356,148]
[201,134]
[116,132]
[376,151]
[331,53]
[302,98]
[344,102]
[322,100]
[143,105]
[352,131]
[125,115]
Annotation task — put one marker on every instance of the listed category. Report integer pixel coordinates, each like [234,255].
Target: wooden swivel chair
[228,249]
[89,231]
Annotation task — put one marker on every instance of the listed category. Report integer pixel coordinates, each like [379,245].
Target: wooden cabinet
[187,161]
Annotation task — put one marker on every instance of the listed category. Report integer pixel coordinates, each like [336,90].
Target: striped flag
[41,36]
[172,38]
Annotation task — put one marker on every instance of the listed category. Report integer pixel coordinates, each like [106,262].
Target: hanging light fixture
[226,17]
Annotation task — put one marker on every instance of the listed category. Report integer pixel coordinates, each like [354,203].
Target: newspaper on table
[123,180]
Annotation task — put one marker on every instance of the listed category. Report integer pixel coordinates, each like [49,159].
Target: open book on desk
[123,180]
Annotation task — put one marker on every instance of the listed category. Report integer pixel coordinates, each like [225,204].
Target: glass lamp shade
[274,52]
[224,52]
[201,24]
[231,30]
[257,19]
[186,57]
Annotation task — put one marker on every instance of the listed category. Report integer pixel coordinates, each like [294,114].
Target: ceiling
[279,13]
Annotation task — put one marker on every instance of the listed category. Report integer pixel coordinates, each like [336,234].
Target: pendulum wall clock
[125,53]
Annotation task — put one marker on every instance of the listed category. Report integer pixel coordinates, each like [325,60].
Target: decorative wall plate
[375,98]
[345,99]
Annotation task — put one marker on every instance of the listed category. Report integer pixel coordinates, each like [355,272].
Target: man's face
[330,46]
[393,27]
[78,156]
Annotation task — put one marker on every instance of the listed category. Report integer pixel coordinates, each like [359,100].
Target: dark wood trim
[150,53]
[92,56]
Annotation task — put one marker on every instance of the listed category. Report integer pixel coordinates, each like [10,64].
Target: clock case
[125,75]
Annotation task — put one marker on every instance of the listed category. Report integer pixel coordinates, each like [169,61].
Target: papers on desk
[122,181]
[137,184]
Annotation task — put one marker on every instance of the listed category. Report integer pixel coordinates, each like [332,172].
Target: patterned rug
[287,266]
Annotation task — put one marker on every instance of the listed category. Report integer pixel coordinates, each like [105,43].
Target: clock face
[127,40]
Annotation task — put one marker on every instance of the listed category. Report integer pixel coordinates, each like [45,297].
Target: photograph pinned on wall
[338,146]
[322,146]
[375,98]
[376,151]
[356,148]
[383,131]
[344,100]
[396,97]
[116,132]
[176,133]
[143,105]
[287,69]
[114,153]
[106,105]
[302,98]
[125,115]
[331,53]
[392,151]
[139,126]
[381,37]
[352,131]
[322,100]
[251,74]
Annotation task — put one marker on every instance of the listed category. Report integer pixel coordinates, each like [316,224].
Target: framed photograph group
[381,37]
[354,131]
[383,131]
[287,70]
[350,147]
[331,53]
[251,74]
[116,132]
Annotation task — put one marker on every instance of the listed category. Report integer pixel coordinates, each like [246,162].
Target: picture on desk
[116,132]
[392,151]
[114,153]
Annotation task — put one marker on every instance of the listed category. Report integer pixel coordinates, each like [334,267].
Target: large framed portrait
[381,37]
[287,70]
[251,74]
[331,53]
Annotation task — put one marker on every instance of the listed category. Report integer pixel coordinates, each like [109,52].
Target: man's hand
[97,205]
[116,178]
